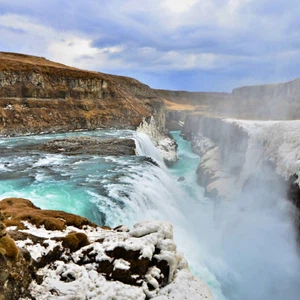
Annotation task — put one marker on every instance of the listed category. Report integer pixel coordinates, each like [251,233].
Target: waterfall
[145,147]
[243,249]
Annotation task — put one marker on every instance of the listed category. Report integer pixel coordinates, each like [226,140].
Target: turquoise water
[238,248]
[184,171]
[57,181]
[109,190]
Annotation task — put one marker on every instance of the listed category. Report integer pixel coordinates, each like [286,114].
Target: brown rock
[75,240]
[23,210]
[39,95]
[8,247]
[91,146]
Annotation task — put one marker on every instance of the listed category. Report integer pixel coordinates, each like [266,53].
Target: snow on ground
[184,287]
[87,284]
[76,275]
[279,142]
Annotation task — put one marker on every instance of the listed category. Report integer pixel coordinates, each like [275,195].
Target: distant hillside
[281,101]
[264,102]
[39,95]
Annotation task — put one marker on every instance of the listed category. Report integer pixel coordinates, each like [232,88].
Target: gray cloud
[247,41]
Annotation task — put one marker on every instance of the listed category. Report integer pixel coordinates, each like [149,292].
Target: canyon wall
[272,101]
[222,147]
[260,102]
[246,157]
[37,95]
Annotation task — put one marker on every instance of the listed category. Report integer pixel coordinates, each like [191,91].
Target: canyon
[247,141]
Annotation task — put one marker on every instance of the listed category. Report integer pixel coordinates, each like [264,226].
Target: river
[243,250]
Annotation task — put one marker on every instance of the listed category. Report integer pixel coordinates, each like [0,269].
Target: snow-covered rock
[91,262]
[277,141]
[165,144]
[226,167]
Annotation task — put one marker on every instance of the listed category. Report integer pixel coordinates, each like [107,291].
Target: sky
[194,45]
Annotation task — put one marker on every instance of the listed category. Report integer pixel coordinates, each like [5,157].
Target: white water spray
[145,147]
[244,249]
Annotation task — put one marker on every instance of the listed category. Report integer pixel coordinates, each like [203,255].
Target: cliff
[222,147]
[260,102]
[38,95]
[247,158]
[272,101]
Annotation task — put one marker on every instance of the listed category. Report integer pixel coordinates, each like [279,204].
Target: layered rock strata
[37,95]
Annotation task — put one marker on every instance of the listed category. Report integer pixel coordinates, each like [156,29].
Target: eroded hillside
[38,95]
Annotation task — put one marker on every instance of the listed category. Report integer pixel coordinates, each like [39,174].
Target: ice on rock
[116,265]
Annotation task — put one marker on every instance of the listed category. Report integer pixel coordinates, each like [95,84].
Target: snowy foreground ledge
[103,263]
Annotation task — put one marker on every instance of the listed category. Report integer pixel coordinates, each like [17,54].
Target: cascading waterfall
[244,249]
[144,147]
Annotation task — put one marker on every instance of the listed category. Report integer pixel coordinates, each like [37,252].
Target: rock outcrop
[90,146]
[17,268]
[162,141]
[55,255]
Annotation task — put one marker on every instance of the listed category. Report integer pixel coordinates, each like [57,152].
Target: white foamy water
[244,249]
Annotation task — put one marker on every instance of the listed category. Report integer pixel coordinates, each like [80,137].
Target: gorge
[237,231]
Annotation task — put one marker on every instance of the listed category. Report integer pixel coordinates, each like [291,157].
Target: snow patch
[76,275]
[164,143]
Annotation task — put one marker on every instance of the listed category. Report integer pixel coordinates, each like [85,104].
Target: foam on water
[248,243]
[243,250]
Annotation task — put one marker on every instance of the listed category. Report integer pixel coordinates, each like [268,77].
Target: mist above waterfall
[244,247]
[251,246]
[249,234]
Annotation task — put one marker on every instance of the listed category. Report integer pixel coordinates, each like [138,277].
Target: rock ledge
[81,260]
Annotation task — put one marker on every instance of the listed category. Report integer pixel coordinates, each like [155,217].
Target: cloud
[178,6]
[233,38]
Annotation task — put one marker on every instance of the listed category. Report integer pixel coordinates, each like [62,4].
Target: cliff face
[222,147]
[273,101]
[288,91]
[261,102]
[38,95]
[240,157]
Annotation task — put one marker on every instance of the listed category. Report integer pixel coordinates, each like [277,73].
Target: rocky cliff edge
[55,255]
[37,95]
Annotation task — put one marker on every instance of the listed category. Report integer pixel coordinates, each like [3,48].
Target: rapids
[243,250]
